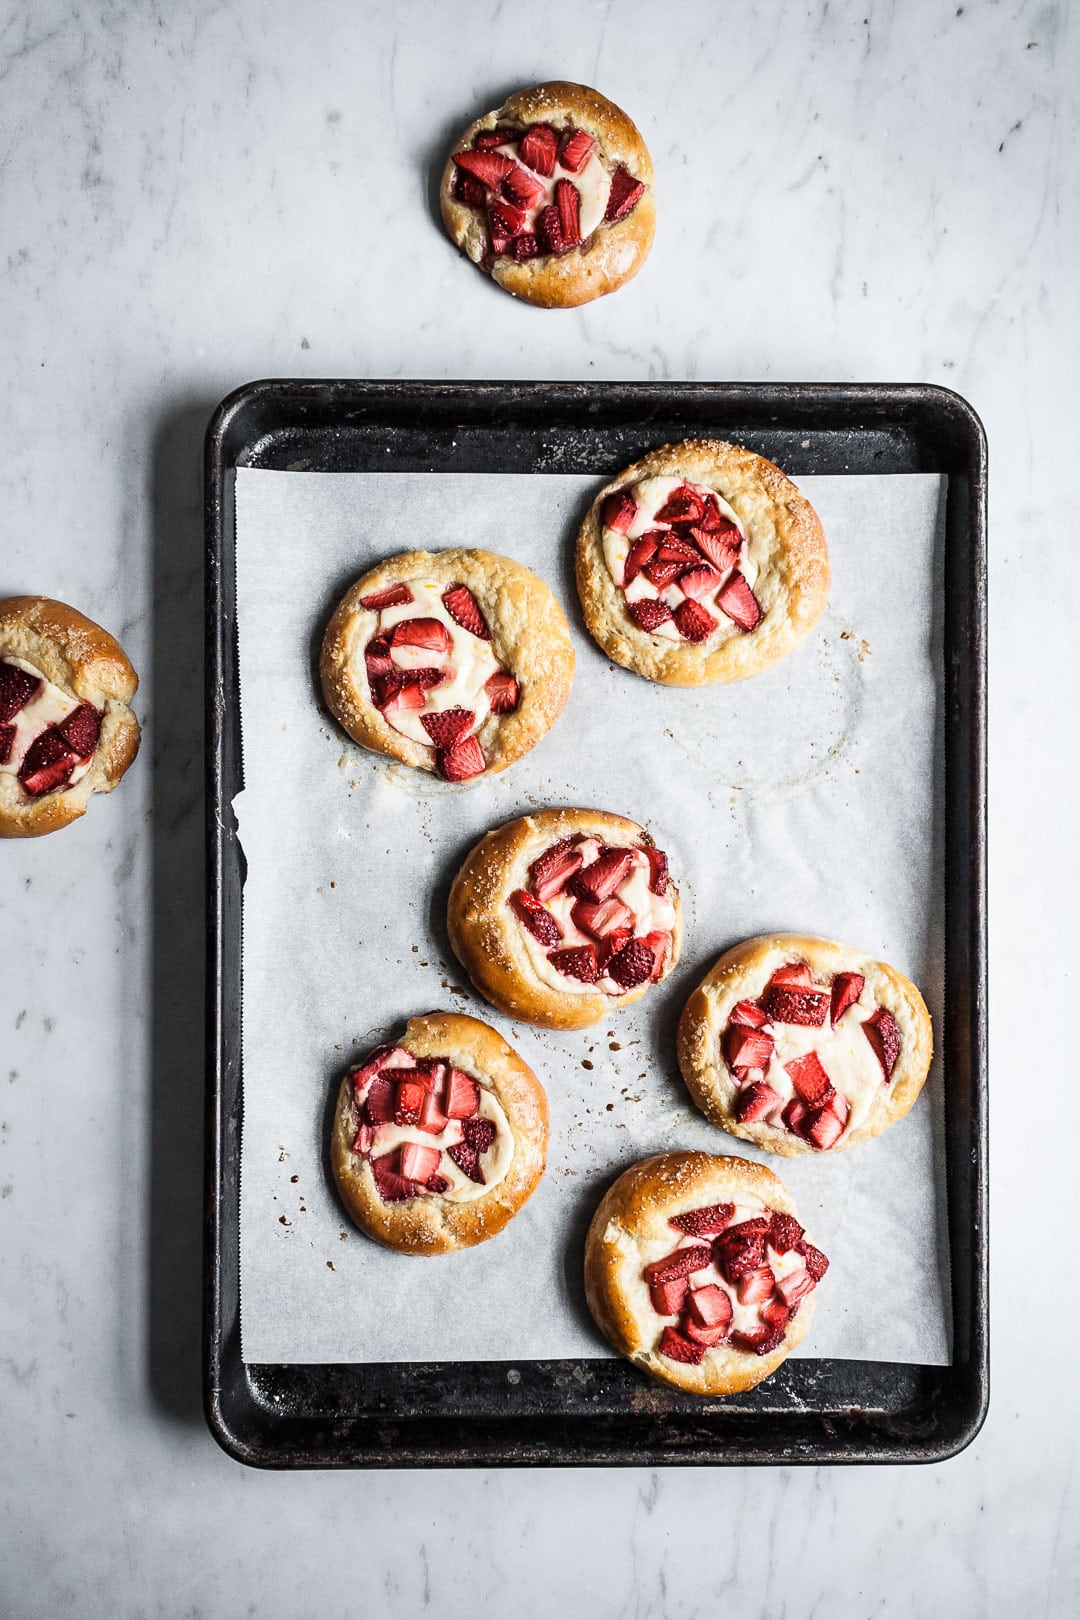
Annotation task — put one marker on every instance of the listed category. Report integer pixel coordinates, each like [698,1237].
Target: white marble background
[196,194]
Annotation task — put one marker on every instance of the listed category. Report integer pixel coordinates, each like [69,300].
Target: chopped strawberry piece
[432,1118]
[522,188]
[408,1101]
[389,596]
[846,990]
[578,962]
[694,622]
[709,1306]
[683,505]
[16,689]
[698,583]
[795,1287]
[612,944]
[756,1102]
[704,1222]
[658,941]
[747,1048]
[642,551]
[706,1336]
[648,613]
[810,1079]
[881,1031]
[396,1058]
[816,1263]
[465,188]
[377,658]
[739,602]
[790,1006]
[749,1014]
[80,730]
[618,512]
[568,202]
[794,1116]
[661,573]
[550,872]
[7,738]
[467,1160]
[677,1348]
[761,1341]
[391,1185]
[658,868]
[576,150]
[549,230]
[539,921]
[602,919]
[465,759]
[479,1133]
[47,764]
[437,1184]
[604,876]
[822,1128]
[754,1286]
[667,1297]
[712,520]
[526,245]
[384,688]
[785,1232]
[364,1139]
[502,692]
[794,973]
[776,1314]
[680,1263]
[379,1102]
[409,695]
[538,149]
[431,1073]
[464,609]
[429,633]
[501,135]
[632,965]
[490,168]
[418,1162]
[672,549]
[625,192]
[504,222]
[462,1095]
[721,552]
[740,1249]
[446,725]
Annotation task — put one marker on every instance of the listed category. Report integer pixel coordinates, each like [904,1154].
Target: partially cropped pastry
[439,1141]
[66,728]
[698,1271]
[804,1045]
[700,563]
[552,195]
[456,662]
[562,917]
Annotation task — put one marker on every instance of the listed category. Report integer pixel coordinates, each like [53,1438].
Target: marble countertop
[197,195]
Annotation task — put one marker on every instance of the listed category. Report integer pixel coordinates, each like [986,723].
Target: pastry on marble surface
[439,1141]
[456,662]
[804,1045]
[66,728]
[698,1271]
[552,195]
[700,563]
[564,916]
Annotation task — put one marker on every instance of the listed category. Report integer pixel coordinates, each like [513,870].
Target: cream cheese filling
[494,1161]
[470,661]
[46,708]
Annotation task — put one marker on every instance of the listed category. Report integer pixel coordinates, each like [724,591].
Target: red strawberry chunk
[658,942]
[380,1102]
[618,512]
[490,168]
[648,613]
[612,944]
[409,695]
[756,1102]
[465,188]
[883,1034]
[364,1140]
[576,150]
[658,869]
[661,572]
[431,1073]
[739,602]
[391,1185]
[408,1101]
[429,633]
[785,1232]
[776,1313]
[7,738]
[810,1079]
[747,1048]
[673,549]
[749,1014]
[707,1336]
[816,1263]
[550,872]
[462,1095]
[465,759]
[625,192]
[632,965]
[522,188]
[418,1162]
[501,135]
[447,725]
[389,596]
[47,764]
[467,1160]
[759,1341]
[539,147]
[568,202]
[504,222]
[786,1005]
[740,1249]
[537,919]
[680,1263]
[667,1297]
[709,1306]
[794,1116]
[437,1184]
[604,876]
[377,658]
[754,1286]
[432,1118]
[17,687]
[846,990]
[502,692]
[464,609]
[677,1348]
[526,245]
[642,551]
[683,505]
[694,622]
[698,583]
[549,230]
[795,1287]
[822,1129]
[601,919]
[722,553]
[578,962]
[479,1133]
[794,973]
[704,1222]
[80,730]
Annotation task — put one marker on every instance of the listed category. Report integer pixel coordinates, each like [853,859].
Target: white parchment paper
[806,799]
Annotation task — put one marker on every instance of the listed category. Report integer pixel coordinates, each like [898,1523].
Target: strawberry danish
[804,1045]
[561,917]
[66,728]
[701,563]
[439,1141]
[552,195]
[456,662]
[698,1271]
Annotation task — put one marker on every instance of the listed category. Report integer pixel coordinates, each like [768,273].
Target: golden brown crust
[614,252]
[630,1229]
[530,638]
[486,934]
[430,1224]
[784,538]
[742,973]
[88,663]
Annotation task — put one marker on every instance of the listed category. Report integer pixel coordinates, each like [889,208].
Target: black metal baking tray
[601,1411]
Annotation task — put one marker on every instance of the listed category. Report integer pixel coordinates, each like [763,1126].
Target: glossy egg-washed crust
[430,1224]
[635,1213]
[614,252]
[742,974]
[88,663]
[783,536]
[530,638]
[487,935]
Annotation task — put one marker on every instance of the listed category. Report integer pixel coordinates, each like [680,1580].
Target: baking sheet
[808,798]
